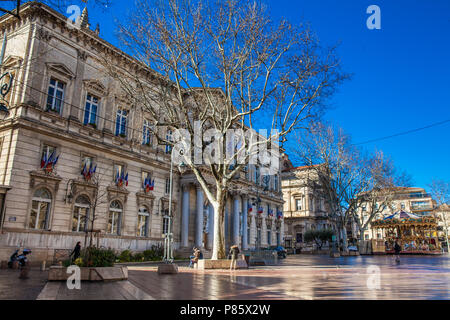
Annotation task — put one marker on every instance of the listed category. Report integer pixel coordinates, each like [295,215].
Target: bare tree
[382,181]
[222,65]
[440,191]
[343,172]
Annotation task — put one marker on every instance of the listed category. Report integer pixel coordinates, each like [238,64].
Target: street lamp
[168,239]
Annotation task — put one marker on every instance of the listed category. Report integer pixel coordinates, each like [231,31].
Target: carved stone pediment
[115,192]
[82,186]
[61,69]
[146,199]
[95,86]
[11,61]
[52,180]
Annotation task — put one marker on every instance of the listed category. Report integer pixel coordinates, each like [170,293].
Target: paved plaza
[297,277]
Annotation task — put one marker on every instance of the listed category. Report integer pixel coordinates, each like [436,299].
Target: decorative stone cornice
[82,55]
[50,179]
[146,199]
[44,35]
[115,192]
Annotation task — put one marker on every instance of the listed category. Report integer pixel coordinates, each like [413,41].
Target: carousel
[415,234]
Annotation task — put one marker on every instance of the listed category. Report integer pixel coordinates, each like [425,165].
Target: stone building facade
[304,207]
[71,147]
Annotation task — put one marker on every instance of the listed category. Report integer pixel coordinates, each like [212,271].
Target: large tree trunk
[219,227]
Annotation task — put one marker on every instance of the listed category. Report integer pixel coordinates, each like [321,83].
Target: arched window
[80,214]
[40,209]
[142,226]
[115,214]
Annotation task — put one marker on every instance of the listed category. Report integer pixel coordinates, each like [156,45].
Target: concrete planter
[204,264]
[58,273]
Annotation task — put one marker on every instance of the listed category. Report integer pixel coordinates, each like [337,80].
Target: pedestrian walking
[234,252]
[397,250]
[76,252]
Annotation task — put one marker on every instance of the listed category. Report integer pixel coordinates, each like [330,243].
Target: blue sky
[401,73]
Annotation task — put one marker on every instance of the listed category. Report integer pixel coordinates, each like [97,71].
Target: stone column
[236,220]
[185,218]
[199,219]
[210,227]
[244,223]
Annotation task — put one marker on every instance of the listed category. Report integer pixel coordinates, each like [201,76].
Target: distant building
[412,200]
[304,207]
[442,213]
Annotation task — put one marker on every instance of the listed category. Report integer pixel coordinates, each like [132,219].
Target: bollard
[4,264]
[43,265]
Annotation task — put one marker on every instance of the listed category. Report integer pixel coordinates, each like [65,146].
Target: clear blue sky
[401,73]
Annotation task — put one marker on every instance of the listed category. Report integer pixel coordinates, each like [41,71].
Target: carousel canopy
[402,215]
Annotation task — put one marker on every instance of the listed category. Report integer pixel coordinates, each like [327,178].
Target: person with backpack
[234,252]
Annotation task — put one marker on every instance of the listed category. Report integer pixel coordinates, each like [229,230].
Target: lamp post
[168,237]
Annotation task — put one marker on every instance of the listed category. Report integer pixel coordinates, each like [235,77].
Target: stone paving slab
[118,290]
[298,277]
[13,288]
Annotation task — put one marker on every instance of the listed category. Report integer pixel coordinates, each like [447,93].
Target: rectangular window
[147,133]
[113,222]
[79,218]
[298,204]
[257,175]
[55,97]
[146,176]
[142,226]
[275,182]
[87,161]
[248,235]
[168,148]
[269,237]
[90,110]
[167,189]
[121,122]
[39,214]
[118,170]
[47,152]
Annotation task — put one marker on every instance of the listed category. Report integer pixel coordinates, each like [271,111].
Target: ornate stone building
[304,208]
[72,149]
